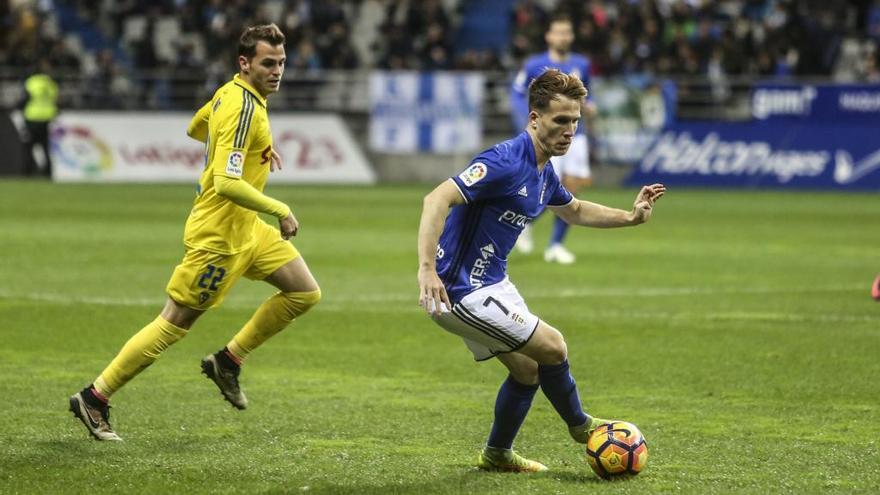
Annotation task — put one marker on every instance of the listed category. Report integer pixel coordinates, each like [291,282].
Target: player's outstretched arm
[435,208]
[591,214]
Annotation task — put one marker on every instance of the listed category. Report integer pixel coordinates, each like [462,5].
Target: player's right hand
[288,226]
[432,292]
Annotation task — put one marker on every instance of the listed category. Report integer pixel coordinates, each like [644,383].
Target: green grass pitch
[735,329]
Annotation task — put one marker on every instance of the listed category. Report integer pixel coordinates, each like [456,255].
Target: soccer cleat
[581,433]
[507,461]
[226,380]
[96,419]
[875,289]
[558,254]
[524,243]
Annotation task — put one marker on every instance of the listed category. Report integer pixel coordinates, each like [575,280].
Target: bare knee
[556,353]
[180,315]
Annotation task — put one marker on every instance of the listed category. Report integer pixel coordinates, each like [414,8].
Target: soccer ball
[617,448]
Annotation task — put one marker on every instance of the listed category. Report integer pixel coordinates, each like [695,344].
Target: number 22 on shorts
[212,276]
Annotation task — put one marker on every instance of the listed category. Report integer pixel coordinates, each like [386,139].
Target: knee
[300,302]
[556,353]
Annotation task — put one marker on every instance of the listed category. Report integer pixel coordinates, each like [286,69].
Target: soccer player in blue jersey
[462,274]
[574,166]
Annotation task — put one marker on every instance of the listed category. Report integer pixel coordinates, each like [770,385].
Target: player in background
[574,166]
[224,238]
[462,273]
[875,289]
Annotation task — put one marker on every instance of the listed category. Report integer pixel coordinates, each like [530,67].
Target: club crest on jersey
[473,174]
[235,164]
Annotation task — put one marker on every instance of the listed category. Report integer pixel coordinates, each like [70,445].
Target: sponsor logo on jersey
[514,218]
[481,265]
[523,192]
[473,174]
[235,164]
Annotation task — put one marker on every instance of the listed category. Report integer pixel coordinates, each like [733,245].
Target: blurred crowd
[736,37]
[117,42]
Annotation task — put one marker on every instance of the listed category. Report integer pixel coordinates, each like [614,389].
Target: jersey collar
[247,87]
[530,150]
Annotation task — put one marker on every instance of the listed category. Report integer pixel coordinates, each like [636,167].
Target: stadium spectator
[40,108]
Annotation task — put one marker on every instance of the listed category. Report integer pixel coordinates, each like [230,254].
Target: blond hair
[552,83]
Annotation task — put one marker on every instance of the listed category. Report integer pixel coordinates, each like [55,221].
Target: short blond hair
[552,83]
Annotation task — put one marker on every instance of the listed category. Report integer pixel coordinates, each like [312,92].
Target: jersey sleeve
[519,98]
[198,126]
[559,195]
[585,68]
[488,176]
[232,121]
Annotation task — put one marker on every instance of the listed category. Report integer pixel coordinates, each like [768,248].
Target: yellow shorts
[203,278]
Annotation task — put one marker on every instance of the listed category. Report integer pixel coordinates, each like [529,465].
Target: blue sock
[511,406]
[561,390]
[560,228]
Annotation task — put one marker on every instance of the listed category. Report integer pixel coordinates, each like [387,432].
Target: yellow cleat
[507,461]
[581,433]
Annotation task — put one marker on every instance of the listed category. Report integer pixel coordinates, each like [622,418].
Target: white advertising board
[154,147]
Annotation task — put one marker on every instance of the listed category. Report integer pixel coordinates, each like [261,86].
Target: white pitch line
[361,303]
[411,297]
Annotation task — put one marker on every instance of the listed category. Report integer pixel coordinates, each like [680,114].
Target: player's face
[555,127]
[560,36]
[265,69]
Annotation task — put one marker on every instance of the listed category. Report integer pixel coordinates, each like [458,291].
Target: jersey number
[212,276]
[489,300]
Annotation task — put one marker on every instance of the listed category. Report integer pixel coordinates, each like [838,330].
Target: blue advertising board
[822,102]
[800,136]
[807,155]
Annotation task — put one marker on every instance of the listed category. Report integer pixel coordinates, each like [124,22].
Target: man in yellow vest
[39,110]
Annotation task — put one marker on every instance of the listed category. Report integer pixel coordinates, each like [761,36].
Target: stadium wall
[11,144]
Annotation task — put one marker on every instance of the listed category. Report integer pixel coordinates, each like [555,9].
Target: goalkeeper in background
[224,239]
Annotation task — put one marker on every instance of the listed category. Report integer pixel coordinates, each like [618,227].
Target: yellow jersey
[238,146]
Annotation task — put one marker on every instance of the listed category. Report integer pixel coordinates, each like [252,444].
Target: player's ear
[533,119]
[244,64]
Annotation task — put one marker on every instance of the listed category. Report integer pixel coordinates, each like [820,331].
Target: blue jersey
[503,192]
[534,67]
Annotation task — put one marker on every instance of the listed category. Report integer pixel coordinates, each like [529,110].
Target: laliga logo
[78,148]
[767,102]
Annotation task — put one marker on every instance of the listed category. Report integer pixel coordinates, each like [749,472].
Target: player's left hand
[432,292]
[274,161]
[288,226]
[643,206]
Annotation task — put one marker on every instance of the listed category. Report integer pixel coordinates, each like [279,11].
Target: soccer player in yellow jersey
[224,238]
